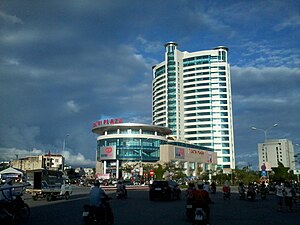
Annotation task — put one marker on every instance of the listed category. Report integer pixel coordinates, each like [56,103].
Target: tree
[281,173]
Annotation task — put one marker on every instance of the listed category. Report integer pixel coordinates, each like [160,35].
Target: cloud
[8,154]
[5,18]
[290,22]
[72,106]
[77,159]
[63,68]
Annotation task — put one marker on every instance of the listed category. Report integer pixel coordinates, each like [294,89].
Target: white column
[117,169]
[104,167]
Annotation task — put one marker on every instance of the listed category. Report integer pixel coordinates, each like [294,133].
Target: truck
[48,184]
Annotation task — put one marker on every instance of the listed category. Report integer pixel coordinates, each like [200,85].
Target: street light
[64,142]
[265,130]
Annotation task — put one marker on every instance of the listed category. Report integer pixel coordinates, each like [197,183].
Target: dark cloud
[66,64]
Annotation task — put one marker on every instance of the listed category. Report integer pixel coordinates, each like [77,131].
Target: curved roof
[221,47]
[108,127]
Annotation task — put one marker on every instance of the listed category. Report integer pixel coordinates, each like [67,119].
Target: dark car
[164,189]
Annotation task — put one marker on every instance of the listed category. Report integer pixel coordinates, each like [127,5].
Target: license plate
[85,214]
[189,206]
[157,189]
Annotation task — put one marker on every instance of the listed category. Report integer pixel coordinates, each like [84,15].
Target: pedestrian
[279,190]
[288,197]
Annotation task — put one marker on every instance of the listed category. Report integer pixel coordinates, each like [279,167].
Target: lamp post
[265,130]
[64,142]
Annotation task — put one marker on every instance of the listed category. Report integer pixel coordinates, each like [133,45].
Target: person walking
[288,197]
[279,188]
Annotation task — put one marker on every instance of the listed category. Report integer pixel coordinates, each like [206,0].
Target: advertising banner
[108,152]
[204,156]
[179,153]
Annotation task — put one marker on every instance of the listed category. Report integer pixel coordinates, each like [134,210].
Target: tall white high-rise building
[191,94]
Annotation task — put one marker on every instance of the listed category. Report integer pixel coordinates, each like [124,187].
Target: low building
[48,161]
[122,143]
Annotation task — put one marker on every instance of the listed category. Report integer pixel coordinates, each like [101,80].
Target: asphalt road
[138,210]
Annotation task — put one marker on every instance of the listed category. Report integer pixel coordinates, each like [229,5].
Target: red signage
[108,150]
[196,152]
[107,122]
[151,173]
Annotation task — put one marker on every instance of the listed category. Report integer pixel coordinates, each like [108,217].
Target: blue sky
[65,64]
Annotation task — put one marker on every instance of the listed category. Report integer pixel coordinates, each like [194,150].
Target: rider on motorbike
[121,189]
[242,190]
[226,190]
[7,192]
[198,199]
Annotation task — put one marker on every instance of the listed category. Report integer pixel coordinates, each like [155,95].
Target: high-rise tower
[191,94]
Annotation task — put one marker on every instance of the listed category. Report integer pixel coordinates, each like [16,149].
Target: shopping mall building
[121,143]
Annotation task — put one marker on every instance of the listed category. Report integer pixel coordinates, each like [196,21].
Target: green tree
[159,171]
[281,173]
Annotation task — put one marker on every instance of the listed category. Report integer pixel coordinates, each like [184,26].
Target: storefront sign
[107,122]
[194,151]
[108,152]
[204,156]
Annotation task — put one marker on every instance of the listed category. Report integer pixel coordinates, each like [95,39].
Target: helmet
[200,184]
[97,183]
[9,181]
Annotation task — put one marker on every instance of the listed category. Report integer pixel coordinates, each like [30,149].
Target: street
[138,210]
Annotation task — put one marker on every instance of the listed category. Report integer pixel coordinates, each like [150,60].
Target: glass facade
[133,149]
[196,95]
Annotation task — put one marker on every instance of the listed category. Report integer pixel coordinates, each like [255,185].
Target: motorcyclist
[98,202]
[201,199]
[226,189]
[263,190]
[97,195]
[189,190]
[213,187]
[121,188]
[7,190]
[251,194]
[241,190]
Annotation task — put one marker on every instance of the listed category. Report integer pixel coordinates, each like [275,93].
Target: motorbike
[251,195]
[98,216]
[242,193]
[213,189]
[121,194]
[226,193]
[196,214]
[263,193]
[14,212]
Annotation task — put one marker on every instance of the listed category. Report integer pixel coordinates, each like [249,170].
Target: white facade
[192,96]
[274,150]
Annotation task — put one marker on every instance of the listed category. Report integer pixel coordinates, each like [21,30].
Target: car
[164,189]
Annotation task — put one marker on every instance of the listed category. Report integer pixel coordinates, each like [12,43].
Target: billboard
[108,152]
[179,153]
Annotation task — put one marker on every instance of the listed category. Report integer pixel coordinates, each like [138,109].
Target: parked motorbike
[98,216]
[14,212]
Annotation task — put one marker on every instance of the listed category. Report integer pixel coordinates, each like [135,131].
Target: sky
[66,64]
